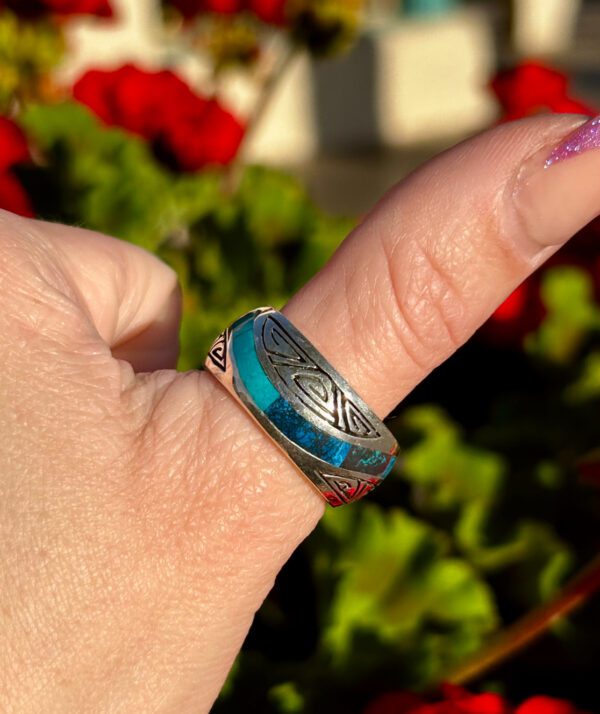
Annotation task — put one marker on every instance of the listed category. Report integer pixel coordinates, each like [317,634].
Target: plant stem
[265,96]
[532,626]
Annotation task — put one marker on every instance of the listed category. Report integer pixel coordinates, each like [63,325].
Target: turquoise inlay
[367,461]
[303,433]
[251,373]
[240,321]
[292,424]
[389,467]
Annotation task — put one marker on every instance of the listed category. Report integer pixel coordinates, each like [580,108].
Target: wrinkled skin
[143,515]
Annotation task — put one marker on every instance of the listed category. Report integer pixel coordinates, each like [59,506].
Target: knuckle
[426,308]
[39,302]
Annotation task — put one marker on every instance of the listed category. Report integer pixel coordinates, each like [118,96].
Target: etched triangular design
[282,349]
[347,488]
[218,352]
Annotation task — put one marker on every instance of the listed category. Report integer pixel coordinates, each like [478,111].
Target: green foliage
[587,385]
[398,581]
[463,483]
[231,249]
[447,471]
[286,698]
[28,51]
[568,296]
[108,180]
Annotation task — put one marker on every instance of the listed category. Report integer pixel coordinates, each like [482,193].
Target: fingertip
[557,191]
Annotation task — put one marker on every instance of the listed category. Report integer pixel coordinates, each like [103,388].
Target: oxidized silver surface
[304,404]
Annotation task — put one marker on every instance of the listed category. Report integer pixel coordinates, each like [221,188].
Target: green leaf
[286,698]
[447,471]
[275,205]
[28,52]
[568,295]
[396,579]
[587,386]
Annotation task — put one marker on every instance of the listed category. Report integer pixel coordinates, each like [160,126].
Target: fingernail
[584,138]
[557,191]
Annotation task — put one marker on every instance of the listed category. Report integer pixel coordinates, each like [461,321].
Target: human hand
[143,515]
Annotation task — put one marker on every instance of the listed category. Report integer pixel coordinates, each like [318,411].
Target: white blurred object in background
[133,35]
[544,28]
[434,76]
[406,80]
[413,80]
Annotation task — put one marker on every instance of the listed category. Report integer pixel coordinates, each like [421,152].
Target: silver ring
[304,404]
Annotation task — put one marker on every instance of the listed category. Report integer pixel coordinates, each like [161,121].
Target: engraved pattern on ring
[307,408]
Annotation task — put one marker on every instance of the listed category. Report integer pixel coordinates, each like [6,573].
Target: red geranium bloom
[531,88]
[13,145]
[213,137]
[13,151]
[37,8]
[459,701]
[13,197]
[394,703]
[521,313]
[191,8]
[186,130]
[270,11]
[546,705]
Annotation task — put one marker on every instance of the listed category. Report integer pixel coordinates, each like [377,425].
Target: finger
[429,264]
[130,297]
[442,251]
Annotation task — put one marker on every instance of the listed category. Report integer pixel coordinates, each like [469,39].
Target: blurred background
[414,81]
[241,140]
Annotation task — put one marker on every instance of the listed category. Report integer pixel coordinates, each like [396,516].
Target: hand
[143,515]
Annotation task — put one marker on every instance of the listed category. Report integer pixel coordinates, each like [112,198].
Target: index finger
[442,251]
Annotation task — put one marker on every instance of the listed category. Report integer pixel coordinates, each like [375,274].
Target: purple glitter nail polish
[586,137]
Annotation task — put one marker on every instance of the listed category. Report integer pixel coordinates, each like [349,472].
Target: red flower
[190,8]
[13,145]
[459,701]
[37,8]
[531,88]
[270,11]
[521,313]
[394,703]
[184,129]
[212,137]
[13,151]
[545,705]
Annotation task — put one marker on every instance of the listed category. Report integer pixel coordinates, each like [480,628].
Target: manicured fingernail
[557,189]
[584,138]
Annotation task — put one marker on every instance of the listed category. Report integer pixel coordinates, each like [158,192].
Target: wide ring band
[305,406]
